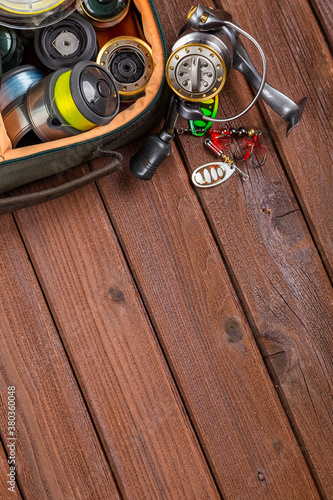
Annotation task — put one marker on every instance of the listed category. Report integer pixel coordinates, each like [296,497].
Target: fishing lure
[252,148]
[209,109]
[212,174]
[248,140]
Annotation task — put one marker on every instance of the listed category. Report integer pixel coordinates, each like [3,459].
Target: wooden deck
[173,343]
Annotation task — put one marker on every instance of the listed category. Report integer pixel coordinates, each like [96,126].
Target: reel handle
[146,161]
[276,100]
[156,148]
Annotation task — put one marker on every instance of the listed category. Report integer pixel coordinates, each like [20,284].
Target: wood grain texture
[299,63]
[285,289]
[5,494]
[212,353]
[278,274]
[324,12]
[113,349]
[58,454]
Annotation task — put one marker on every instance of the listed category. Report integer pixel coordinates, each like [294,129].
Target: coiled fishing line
[32,14]
[16,82]
[12,93]
[68,102]
[11,49]
[45,119]
[64,101]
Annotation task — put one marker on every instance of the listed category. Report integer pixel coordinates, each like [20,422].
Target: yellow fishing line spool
[66,105]
[32,14]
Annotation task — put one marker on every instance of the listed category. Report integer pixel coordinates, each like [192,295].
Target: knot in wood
[117,295]
[233,329]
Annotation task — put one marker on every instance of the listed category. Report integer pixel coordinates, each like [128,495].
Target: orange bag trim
[152,36]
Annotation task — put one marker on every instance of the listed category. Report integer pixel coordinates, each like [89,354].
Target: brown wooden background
[172,343]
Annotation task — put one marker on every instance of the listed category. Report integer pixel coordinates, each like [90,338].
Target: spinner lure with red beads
[211,174]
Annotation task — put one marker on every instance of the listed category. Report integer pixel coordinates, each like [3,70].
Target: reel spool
[32,14]
[11,49]
[199,65]
[15,84]
[66,103]
[64,44]
[130,62]
[104,13]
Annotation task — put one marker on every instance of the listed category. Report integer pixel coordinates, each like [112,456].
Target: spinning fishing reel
[207,49]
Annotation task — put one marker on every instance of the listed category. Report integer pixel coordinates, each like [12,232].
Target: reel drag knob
[196,71]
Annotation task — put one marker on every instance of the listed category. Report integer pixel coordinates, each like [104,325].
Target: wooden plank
[324,12]
[284,287]
[210,348]
[5,493]
[109,340]
[267,246]
[57,451]
[301,67]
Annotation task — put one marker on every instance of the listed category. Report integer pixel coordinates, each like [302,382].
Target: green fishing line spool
[104,13]
[11,49]
[69,102]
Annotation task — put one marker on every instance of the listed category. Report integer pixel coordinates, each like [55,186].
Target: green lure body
[209,108]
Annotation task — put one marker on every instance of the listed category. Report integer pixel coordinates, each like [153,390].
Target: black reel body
[64,44]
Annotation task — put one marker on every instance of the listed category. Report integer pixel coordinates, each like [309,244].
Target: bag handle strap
[14,203]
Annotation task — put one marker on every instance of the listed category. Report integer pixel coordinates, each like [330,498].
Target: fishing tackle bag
[30,163]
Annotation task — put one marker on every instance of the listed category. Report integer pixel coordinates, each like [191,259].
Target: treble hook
[250,153]
[256,164]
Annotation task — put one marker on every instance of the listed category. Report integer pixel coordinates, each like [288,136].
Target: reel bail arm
[276,100]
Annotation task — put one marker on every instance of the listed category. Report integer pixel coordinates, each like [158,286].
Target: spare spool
[11,49]
[65,43]
[66,103]
[32,14]
[104,13]
[44,116]
[130,62]
[14,86]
